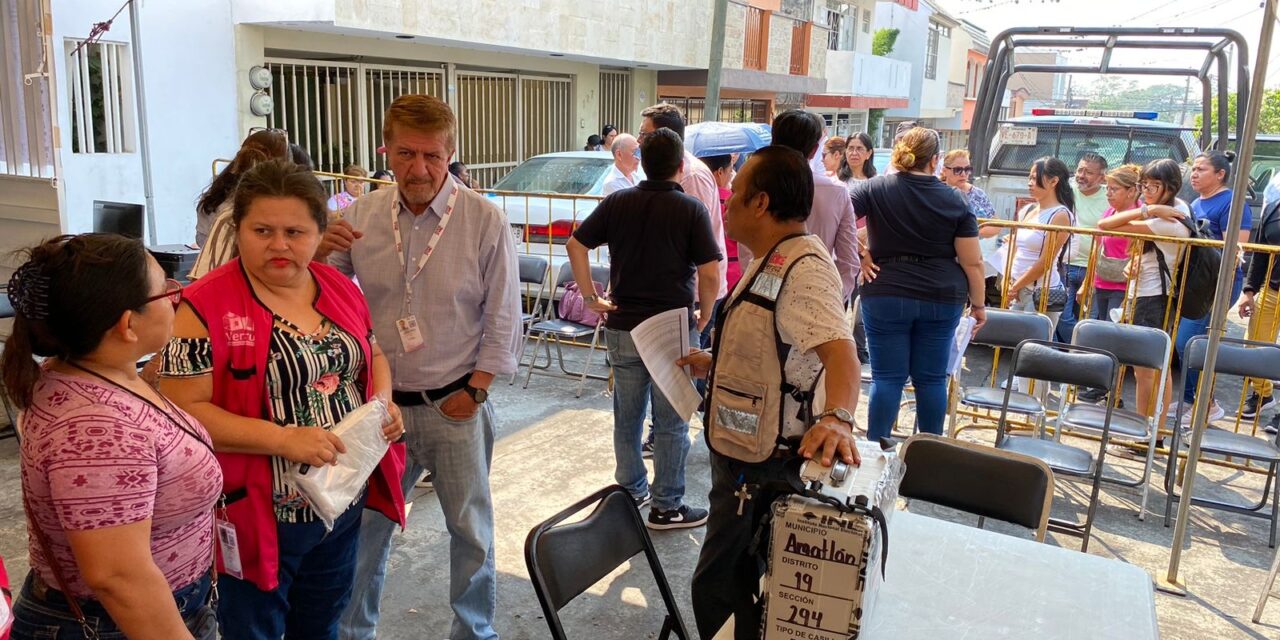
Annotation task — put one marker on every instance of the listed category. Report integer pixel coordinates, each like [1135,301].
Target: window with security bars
[931,53]
[866,20]
[834,18]
[101,96]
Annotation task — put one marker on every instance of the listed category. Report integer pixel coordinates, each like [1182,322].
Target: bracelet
[1146,214]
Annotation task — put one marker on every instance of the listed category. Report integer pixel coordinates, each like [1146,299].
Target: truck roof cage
[1213,42]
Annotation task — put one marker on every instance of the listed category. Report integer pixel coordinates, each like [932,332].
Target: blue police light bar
[1096,113]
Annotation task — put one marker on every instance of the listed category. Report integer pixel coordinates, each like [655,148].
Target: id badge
[229,548]
[410,335]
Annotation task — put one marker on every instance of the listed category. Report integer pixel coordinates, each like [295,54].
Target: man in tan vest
[782,349]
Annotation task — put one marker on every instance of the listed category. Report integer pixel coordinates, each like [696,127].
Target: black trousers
[727,579]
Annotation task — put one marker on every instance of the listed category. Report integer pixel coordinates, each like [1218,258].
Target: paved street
[553,449]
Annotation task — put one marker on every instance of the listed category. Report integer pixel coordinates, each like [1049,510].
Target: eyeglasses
[960,171]
[172,291]
[1151,187]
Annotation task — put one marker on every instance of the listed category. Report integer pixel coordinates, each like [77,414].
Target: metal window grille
[488,133]
[931,54]
[101,94]
[615,99]
[382,85]
[866,20]
[833,29]
[26,141]
[731,109]
[543,101]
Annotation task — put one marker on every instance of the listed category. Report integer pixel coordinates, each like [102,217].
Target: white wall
[192,89]
[913,27]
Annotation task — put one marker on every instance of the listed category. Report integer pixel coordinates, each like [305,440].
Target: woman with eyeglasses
[271,350]
[927,266]
[833,157]
[1124,186]
[956,171]
[1160,214]
[118,484]
[857,164]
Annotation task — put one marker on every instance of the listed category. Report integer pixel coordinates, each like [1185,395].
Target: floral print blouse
[312,380]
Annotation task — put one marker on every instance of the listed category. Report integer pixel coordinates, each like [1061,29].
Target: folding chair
[1073,366]
[1245,358]
[1003,329]
[1133,346]
[533,271]
[985,482]
[558,330]
[565,560]
[1267,586]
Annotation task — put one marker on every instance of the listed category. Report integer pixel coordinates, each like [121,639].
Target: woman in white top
[1161,215]
[1036,253]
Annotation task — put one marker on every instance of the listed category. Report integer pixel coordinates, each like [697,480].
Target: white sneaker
[1215,413]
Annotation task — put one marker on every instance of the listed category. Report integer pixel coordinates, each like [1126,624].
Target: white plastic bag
[330,489]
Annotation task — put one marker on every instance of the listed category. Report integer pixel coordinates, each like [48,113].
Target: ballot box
[175,259]
[826,561]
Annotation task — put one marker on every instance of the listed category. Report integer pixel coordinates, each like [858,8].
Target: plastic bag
[330,489]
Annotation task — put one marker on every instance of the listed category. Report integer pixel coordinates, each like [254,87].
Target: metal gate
[615,99]
[335,111]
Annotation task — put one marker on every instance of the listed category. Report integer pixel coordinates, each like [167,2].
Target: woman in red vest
[270,351]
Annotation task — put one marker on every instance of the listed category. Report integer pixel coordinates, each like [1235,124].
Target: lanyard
[431,244]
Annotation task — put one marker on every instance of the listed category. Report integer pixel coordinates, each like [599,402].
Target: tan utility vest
[746,413]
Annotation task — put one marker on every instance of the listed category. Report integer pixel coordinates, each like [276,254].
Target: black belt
[417,398]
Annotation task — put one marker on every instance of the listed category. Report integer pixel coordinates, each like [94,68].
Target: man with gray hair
[625,172]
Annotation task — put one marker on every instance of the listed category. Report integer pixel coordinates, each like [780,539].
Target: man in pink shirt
[831,218]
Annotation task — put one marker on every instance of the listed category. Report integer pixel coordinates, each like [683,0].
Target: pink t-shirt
[1112,247]
[94,456]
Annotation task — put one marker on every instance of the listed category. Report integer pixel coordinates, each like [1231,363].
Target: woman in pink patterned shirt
[119,484]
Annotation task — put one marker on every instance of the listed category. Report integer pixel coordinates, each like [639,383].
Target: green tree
[882,43]
[1269,118]
[1124,95]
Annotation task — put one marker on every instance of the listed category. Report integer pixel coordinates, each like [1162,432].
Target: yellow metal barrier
[1262,326]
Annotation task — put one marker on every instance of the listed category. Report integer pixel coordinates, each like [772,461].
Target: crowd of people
[145,500]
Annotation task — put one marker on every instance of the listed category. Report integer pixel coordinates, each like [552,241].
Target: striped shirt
[311,381]
[220,245]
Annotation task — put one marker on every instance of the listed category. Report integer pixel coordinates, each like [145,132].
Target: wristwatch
[839,413]
[478,395]
[1146,213]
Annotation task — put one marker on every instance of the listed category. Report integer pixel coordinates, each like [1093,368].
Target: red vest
[240,334]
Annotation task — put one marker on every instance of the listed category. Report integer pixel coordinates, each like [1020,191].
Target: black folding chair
[989,483]
[1003,329]
[1074,366]
[1133,346]
[533,272]
[565,560]
[1245,358]
[557,330]
[6,311]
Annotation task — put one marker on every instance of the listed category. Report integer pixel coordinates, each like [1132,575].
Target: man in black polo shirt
[658,238]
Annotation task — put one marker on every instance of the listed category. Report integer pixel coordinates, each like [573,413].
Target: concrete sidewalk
[553,449]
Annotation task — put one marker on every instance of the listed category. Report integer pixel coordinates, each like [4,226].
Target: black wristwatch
[478,395]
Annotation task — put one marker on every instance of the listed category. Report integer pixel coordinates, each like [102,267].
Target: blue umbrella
[722,138]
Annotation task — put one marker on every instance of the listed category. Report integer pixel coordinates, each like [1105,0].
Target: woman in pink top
[119,484]
[722,170]
[1122,195]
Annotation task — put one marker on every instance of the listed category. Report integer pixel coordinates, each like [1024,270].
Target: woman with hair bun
[927,265]
[118,483]
[263,144]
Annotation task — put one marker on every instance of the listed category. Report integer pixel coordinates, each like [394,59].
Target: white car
[543,223]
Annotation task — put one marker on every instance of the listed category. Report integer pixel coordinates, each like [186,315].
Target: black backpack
[1200,265]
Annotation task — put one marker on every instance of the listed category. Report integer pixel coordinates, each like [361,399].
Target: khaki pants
[1263,328]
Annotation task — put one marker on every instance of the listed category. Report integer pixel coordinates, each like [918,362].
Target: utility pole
[144,140]
[711,106]
[1186,99]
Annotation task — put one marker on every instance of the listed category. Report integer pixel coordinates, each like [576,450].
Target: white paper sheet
[661,340]
[964,332]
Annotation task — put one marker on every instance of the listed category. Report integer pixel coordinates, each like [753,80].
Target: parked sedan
[537,197]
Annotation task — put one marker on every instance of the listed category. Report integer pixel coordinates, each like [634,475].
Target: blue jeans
[1104,300]
[1188,329]
[50,618]
[633,390]
[1067,321]
[459,453]
[316,571]
[908,338]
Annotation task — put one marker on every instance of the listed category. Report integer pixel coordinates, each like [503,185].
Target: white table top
[956,581]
